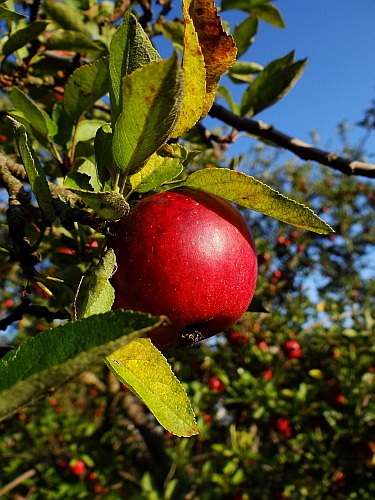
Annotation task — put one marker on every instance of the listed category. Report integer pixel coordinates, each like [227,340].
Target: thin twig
[302,149]
[20,479]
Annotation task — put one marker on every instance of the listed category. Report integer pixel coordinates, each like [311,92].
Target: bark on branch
[300,148]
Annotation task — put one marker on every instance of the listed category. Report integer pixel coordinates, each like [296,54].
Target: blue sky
[338,38]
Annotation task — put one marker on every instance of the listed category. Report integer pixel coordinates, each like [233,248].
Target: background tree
[284,399]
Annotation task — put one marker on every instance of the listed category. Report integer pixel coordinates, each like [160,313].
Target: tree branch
[300,148]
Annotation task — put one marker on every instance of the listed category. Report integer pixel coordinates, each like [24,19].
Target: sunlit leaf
[162,166]
[56,355]
[244,190]
[195,76]
[218,48]
[144,370]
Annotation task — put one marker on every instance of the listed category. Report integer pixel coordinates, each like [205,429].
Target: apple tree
[94,124]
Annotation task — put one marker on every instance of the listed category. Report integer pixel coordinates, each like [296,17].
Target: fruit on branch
[215,384]
[77,467]
[189,255]
[292,349]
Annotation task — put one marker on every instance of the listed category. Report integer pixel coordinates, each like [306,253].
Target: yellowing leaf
[208,53]
[195,76]
[219,49]
[143,368]
[244,190]
[162,166]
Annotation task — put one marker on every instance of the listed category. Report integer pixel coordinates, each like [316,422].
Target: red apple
[282,426]
[292,349]
[188,255]
[238,338]
[215,384]
[77,467]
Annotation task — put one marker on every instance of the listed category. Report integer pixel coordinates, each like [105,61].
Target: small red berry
[267,374]
[77,467]
[282,426]
[292,349]
[207,419]
[67,251]
[262,346]
[215,384]
[339,479]
[238,338]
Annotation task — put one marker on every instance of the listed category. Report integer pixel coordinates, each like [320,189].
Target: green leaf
[83,175]
[9,15]
[64,124]
[55,355]
[103,155]
[260,8]
[34,171]
[130,49]
[72,41]
[31,131]
[244,33]
[244,190]
[152,100]
[243,71]
[162,166]
[21,37]
[62,292]
[270,14]
[273,83]
[96,295]
[172,30]
[33,113]
[224,92]
[85,86]
[67,18]
[144,370]
[109,205]
[87,129]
